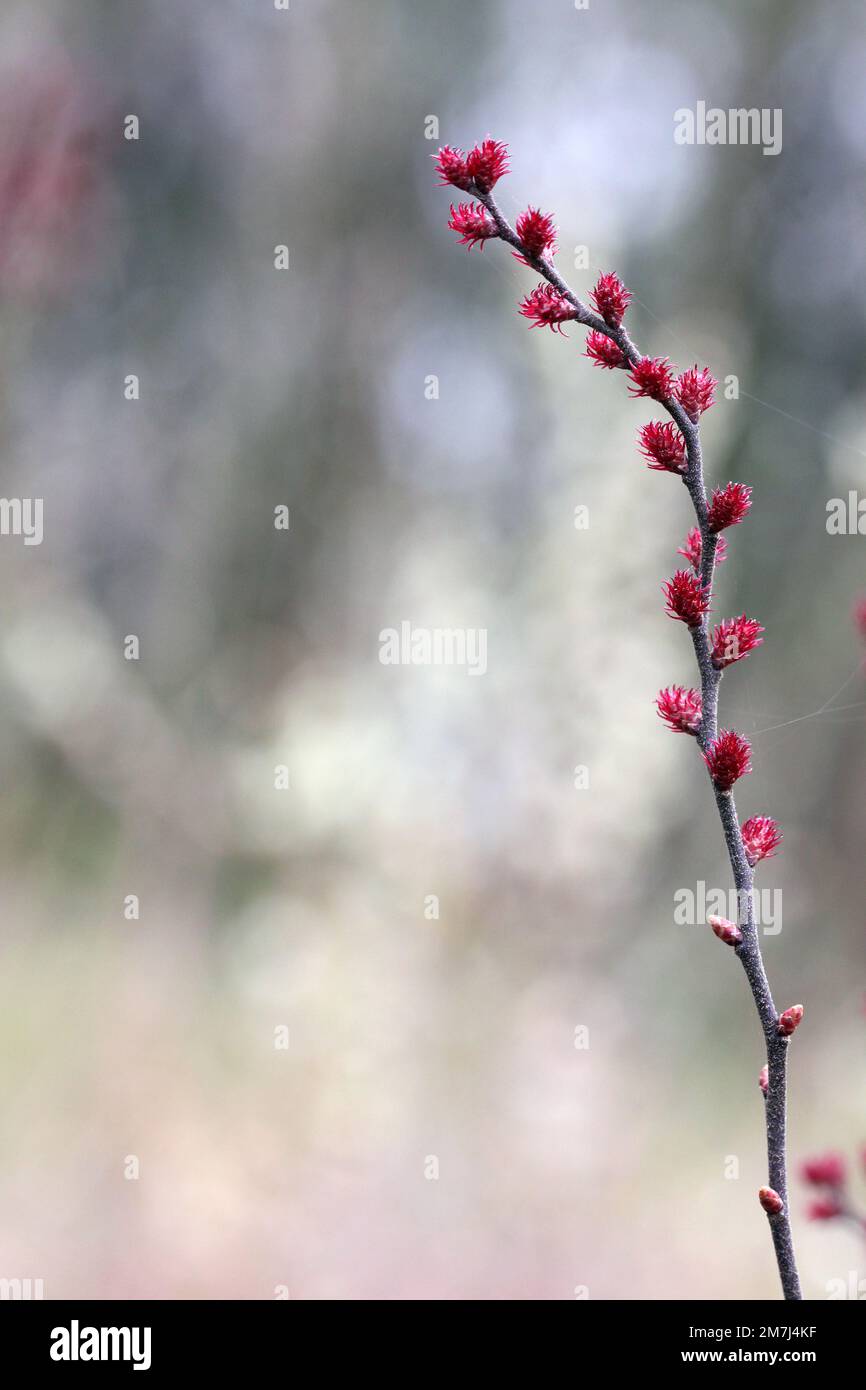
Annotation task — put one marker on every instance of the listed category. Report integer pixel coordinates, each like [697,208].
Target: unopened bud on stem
[790,1020]
[770,1201]
[726,931]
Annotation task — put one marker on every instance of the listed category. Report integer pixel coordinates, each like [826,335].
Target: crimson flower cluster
[603,351]
[547,308]
[611,299]
[696,391]
[728,758]
[728,506]
[480,170]
[681,709]
[653,377]
[687,598]
[693,549]
[735,638]
[761,838]
[663,447]
[537,234]
[471,223]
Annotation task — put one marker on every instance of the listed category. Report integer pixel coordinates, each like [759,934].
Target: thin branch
[748,949]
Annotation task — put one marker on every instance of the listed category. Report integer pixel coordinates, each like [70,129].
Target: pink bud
[770,1201]
[726,931]
[764,1078]
[790,1020]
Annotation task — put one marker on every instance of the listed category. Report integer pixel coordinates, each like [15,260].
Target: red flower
[687,599]
[764,1079]
[735,638]
[824,1209]
[695,390]
[827,1170]
[858,613]
[726,930]
[694,548]
[611,299]
[790,1019]
[729,506]
[487,163]
[727,759]
[761,838]
[536,232]
[770,1201]
[602,350]
[680,709]
[548,307]
[652,376]
[663,446]
[451,164]
[472,223]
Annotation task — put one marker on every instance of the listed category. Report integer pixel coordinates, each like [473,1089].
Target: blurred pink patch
[51,175]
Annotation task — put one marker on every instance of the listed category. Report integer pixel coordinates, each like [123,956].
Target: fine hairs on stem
[672,447]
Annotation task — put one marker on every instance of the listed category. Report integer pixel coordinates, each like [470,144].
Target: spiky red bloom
[652,376]
[548,308]
[487,163]
[858,613]
[603,350]
[611,298]
[826,1170]
[663,447]
[790,1019]
[694,548]
[825,1209]
[680,709]
[727,759]
[770,1201]
[761,838]
[536,232]
[687,599]
[726,930]
[764,1079]
[735,638]
[695,390]
[470,220]
[729,506]
[451,164]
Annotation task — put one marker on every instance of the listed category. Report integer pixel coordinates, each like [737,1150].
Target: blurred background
[551,1085]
